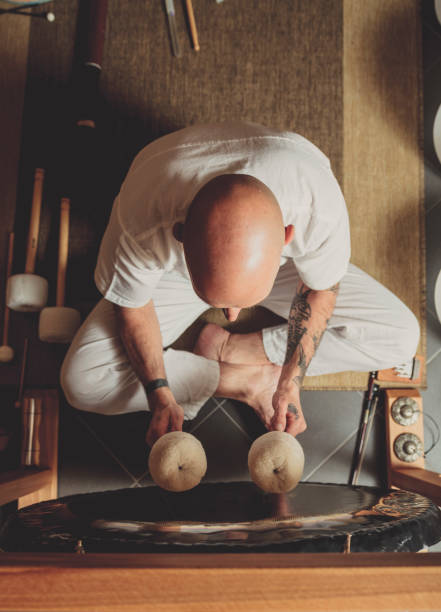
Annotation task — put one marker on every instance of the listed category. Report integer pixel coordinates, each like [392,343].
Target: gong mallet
[6,351]
[28,292]
[59,323]
[276,461]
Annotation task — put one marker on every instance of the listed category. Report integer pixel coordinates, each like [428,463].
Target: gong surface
[228,516]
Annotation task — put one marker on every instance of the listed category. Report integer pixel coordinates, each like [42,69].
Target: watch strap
[156,384]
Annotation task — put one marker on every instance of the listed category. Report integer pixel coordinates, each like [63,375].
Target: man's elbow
[334,289]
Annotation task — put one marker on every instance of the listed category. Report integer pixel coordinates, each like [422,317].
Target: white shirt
[138,245]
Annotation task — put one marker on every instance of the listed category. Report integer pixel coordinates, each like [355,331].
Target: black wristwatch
[155,384]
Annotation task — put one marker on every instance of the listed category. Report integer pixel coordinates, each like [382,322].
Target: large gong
[228,517]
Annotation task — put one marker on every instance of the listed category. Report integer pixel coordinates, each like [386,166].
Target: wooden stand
[411,476]
[31,485]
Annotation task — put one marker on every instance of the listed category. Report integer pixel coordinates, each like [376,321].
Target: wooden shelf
[23,481]
[31,485]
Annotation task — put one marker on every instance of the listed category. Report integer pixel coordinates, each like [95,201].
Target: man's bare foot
[260,390]
[252,384]
[211,342]
[217,343]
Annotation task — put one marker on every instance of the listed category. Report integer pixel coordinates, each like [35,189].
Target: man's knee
[408,333]
[394,341]
[83,388]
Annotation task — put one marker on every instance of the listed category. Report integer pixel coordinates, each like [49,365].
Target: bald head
[233,237]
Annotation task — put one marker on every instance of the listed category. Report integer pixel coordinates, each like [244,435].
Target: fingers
[158,426]
[265,417]
[176,422]
[278,422]
[163,421]
[295,424]
[267,422]
[288,415]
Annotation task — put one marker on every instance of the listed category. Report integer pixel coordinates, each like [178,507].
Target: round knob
[405,411]
[408,447]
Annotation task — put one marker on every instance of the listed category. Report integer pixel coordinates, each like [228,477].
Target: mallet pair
[28,292]
[177,461]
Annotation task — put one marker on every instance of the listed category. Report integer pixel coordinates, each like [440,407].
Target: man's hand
[288,415]
[307,321]
[141,336]
[167,415]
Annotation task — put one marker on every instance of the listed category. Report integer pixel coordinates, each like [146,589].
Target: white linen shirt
[138,245]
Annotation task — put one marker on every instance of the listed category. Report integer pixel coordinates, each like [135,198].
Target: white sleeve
[325,266]
[125,274]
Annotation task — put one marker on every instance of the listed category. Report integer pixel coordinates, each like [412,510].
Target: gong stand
[405,444]
[211,535]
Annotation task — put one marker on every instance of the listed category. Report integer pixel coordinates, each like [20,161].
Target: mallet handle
[63,250]
[192,22]
[24,362]
[34,224]
[8,274]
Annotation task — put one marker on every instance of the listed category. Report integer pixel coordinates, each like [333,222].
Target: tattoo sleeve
[308,318]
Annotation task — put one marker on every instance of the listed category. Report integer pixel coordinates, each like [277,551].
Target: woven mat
[383,179]
[344,74]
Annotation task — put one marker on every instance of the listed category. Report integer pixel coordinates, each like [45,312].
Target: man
[230,216]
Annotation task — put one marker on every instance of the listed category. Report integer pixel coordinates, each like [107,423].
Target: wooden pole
[192,22]
[34,224]
[63,250]
[8,274]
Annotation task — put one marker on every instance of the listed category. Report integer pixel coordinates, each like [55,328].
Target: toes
[264,418]
[268,419]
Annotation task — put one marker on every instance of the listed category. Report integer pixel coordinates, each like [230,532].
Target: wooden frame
[220,582]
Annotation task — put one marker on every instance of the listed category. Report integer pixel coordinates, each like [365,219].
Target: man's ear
[178,231]
[289,233]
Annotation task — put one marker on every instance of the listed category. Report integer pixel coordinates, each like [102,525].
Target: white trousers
[370,329]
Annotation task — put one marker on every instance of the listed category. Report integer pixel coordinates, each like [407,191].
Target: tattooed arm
[141,336]
[308,318]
